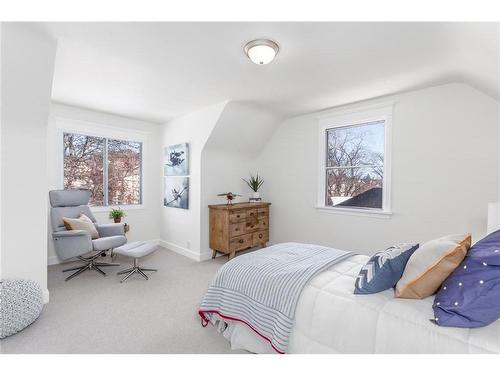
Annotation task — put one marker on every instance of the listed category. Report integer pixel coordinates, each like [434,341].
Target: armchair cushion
[70,233]
[69,198]
[106,243]
[82,223]
[107,230]
[57,214]
[72,243]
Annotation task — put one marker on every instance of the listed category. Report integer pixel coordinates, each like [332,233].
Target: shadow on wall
[230,153]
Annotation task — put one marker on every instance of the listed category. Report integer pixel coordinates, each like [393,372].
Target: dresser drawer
[263,211]
[237,229]
[236,216]
[252,214]
[240,243]
[238,226]
[263,223]
[252,226]
[260,238]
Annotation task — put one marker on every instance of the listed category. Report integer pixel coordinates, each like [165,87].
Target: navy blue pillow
[470,296]
[384,269]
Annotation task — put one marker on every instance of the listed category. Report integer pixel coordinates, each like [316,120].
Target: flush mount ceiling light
[261,51]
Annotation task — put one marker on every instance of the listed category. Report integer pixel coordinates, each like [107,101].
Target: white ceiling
[156,71]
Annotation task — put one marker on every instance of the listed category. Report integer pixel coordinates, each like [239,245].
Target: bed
[329,318]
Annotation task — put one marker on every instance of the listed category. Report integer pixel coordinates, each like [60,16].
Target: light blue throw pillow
[384,269]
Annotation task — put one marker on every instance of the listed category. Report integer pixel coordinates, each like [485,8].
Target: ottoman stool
[135,250]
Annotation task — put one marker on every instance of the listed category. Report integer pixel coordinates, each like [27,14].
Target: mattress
[331,319]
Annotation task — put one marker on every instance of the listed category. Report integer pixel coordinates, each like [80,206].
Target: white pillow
[431,264]
[82,223]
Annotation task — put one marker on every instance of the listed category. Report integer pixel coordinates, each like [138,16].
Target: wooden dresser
[238,226]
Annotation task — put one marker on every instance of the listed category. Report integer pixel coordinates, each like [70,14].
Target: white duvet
[331,319]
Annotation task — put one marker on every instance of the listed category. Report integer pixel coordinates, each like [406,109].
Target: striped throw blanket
[262,288]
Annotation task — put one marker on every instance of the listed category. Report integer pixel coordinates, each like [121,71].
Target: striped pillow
[384,269]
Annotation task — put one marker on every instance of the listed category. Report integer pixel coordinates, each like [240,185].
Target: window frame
[87,128]
[352,117]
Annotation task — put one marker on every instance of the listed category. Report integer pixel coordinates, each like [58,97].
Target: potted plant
[116,214]
[255,183]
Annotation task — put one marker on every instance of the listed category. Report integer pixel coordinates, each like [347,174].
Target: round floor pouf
[21,302]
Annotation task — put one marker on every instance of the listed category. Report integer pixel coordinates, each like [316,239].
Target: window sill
[124,207]
[356,212]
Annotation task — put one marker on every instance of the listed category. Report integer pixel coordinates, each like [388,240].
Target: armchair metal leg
[126,277]
[142,274]
[125,271]
[90,263]
[73,268]
[99,270]
[76,273]
[149,269]
[136,269]
[105,264]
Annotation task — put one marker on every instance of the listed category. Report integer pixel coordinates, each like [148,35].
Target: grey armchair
[77,243]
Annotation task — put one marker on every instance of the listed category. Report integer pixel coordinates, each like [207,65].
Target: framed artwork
[176,160]
[176,192]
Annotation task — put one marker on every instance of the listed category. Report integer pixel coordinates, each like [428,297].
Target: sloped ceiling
[242,129]
[157,71]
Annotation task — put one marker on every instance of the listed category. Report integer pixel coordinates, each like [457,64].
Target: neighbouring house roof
[371,198]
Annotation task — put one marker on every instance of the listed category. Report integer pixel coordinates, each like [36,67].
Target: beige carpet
[96,314]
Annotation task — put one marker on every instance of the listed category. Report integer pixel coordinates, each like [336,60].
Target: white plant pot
[256,194]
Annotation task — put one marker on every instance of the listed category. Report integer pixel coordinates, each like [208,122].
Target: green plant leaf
[254,182]
[116,213]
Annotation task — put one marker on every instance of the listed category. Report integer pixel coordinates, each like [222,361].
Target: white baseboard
[207,255]
[184,251]
[46,295]
[53,260]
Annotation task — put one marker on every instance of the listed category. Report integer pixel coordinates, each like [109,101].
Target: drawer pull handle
[260,235]
[241,240]
[237,215]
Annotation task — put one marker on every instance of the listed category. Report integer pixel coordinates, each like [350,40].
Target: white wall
[222,172]
[180,229]
[224,141]
[27,72]
[229,155]
[143,220]
[231,139]
[1,104]
[445,166]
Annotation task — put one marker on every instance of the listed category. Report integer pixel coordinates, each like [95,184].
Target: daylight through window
[354,165]
[109,168]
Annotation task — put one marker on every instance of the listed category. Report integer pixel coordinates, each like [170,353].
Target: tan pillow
[431,264]
[82,223]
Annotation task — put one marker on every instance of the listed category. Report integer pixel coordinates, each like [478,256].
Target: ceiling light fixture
[261,51]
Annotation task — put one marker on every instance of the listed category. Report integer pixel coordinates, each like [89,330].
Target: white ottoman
[135,250]
[21,302]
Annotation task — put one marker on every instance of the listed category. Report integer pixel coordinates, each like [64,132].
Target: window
[354,160]
[110,168]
